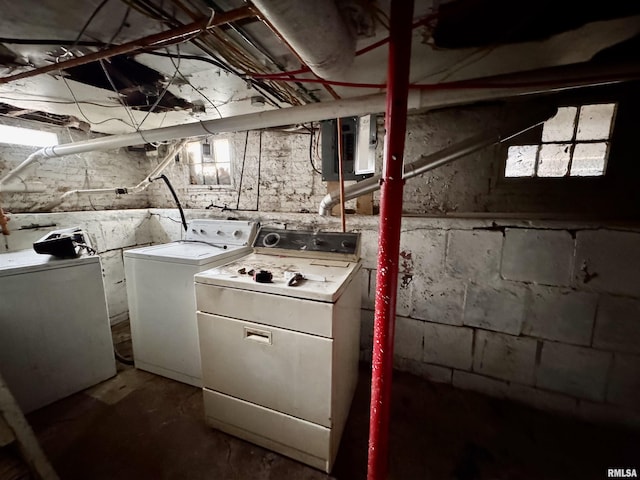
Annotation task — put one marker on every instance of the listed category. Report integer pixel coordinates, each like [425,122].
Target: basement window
[210,162]
[27,136]
[575,143]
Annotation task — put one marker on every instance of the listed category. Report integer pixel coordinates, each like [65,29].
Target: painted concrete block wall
[515,314]
[109,232]
[115,168]
[271,172]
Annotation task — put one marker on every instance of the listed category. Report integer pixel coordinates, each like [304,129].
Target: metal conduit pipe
[442,157]
[304,26]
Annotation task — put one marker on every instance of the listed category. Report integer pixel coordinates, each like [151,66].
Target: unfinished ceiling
[236,68]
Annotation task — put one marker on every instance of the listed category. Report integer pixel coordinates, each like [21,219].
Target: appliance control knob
[347,244]
[271,239]
[193,230]
[202,231]
[317,242]
[237,233]
[220,232]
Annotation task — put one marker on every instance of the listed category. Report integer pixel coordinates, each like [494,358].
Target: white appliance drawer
[302,315]
[298,439]
[279,369]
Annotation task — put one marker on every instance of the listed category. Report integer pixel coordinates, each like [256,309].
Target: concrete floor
[142,426]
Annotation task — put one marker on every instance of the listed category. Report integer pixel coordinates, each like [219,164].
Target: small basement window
[575,143]
[27,136]
[210,162]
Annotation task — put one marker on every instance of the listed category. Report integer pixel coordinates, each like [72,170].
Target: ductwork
[510,128]
[304,26]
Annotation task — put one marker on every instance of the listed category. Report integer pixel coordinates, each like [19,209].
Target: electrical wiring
[244,157]
[88,22]
[57,102]
[311,135]
[115,90]
[122,24]
[194,88]
[259,165]
[83,114]
[164,91]
[45,41]
[328,82]
[203,41]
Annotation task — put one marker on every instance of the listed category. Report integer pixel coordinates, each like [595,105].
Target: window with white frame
[27,136]
[575,143]
[210,162]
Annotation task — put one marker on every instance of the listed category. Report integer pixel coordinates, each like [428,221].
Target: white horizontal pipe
[140,187]
[559,78]
[24,187]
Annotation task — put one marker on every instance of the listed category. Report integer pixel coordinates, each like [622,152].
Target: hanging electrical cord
[244,157]
[82,112]
[115,90]
[87,23]
[164,91]
[175,198]
[311,135]
[259,164]
[122,24]
[188,82]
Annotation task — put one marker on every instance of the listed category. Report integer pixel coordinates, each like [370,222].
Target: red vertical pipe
[389,236]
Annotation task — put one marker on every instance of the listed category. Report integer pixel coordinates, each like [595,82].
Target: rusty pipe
[168,36]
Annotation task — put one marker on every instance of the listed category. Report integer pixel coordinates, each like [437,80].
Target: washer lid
[187,252]
[25,261]
[326,279]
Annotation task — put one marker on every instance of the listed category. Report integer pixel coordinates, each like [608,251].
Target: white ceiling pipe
[23,187]
[428,162]
[556,79]
[305,26]
[140,187]
[254,121]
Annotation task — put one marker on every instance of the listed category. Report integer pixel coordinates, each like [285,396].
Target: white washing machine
[55,338]
[280,355]
[162,308]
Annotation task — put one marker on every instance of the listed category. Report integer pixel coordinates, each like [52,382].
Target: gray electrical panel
[350,134]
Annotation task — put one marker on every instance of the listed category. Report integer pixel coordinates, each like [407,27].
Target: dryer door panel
[283,370]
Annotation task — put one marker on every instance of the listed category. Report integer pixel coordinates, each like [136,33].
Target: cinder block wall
[110,233]
[545,314]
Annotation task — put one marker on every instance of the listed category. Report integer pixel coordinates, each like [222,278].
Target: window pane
[595,121]
[554,160]
[521,161]
[559,128]
[588,159]
[221,149]
[27,136]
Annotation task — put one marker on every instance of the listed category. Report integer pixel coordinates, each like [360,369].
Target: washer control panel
[295,242]
[227,232]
